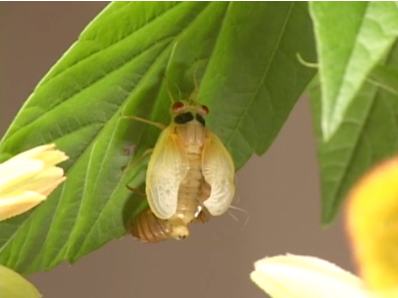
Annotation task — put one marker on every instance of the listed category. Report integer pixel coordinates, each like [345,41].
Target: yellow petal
[27,178]
[292,276]
[49,188]
[42,181]
[18,204]
[17,173]
[372,221]
[13,285]
[35,152]
[53,157]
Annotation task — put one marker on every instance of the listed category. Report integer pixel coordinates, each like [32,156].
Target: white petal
[18,204]
[34,152]
[40,181]
[53,157]
[16,172]
[27,178]
[292,276]
[49,187]
[48,154]
[31,170]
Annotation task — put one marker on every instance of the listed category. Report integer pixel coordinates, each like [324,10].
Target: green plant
[245,57]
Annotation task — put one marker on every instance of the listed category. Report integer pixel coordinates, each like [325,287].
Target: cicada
[190,176]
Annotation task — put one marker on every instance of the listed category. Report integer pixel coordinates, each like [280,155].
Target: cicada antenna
[233,216]
[169,93]
[194,94]
[238,198]
[168,65]
[172,53]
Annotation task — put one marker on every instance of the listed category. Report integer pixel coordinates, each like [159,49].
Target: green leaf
[351,37]
[243,54]
[385,77]
[13,285]
[367,135]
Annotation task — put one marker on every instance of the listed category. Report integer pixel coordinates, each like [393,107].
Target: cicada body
[190,173]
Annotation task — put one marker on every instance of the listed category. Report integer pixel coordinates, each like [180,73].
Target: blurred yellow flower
[13,285]
[372,223]
[28,178]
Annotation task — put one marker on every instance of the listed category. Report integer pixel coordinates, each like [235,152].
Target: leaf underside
[352,37]
[367,135]
[244,56]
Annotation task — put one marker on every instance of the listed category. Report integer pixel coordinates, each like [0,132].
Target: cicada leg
[136,161]
[143,120]
[202,214]
[148,151]
[136,190]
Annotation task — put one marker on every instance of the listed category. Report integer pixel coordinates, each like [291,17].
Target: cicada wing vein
[219,172]
[166,169]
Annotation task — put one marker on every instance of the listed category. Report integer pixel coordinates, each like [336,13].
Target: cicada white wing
[218,171]
[166,169]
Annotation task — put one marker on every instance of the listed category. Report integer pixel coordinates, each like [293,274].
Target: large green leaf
[244,54]
[352,37]
[368,134]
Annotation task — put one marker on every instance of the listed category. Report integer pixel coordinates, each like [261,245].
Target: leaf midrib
[344,75]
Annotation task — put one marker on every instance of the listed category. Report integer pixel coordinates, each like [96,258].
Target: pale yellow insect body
[190,174]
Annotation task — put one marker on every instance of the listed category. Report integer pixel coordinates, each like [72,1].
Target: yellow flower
[28,178]
[372,223]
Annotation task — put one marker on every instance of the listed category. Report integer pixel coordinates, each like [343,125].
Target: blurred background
[278,192]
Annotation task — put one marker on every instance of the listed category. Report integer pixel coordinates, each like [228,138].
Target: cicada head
[184,112]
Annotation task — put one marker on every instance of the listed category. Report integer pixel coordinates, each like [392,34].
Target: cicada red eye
[177,106]
[205,109]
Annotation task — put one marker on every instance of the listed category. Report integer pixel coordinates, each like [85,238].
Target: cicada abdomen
[148,228]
